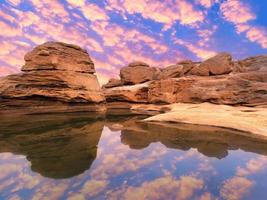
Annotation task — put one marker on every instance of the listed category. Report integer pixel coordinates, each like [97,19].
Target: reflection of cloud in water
[236,188]
[162,188]
[255,165]
[147,159]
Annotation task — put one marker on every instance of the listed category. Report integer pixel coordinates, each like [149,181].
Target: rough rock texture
[113,83]
[257,63]
[58,56]
[134,93]
[53,72]
[137,72]
[217,65]
[237,89]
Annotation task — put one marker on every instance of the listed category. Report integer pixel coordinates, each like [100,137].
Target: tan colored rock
[235,89]
[52,85]
[133,93]
[252,121]
[256,63]
[138,64]
[113,83]
[172,71]
[53,72]
[136,73]
[178,70]
[58,56]
[217,65]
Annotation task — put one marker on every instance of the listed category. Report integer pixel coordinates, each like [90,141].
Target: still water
[80,156]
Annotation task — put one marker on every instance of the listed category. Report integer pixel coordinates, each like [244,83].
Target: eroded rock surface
[217,65]
[137,72]
[236,89]
[218,80]
[55,72]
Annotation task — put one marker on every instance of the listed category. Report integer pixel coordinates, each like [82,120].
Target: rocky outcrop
[237,89]
[58,56]
[132,93]
[137,72]
[54,72]
[217,80]
[217,65]
[257,63]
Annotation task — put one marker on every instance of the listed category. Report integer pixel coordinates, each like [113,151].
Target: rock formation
[53,72]
[218,80]
[137,72]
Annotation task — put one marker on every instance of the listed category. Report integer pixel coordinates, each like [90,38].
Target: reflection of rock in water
[58,146]
[210,141]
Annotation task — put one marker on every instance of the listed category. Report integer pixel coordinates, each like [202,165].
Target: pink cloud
[200,52]
[236,12]
[8,30]
[93,13]
[240,15]
[165,12]
[258,35]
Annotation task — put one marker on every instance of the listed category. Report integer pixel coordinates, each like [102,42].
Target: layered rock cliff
[54,73]
[218,80]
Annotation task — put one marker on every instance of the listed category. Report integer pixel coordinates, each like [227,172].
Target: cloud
[206,3]
[240,14]
[93,13]
[165,12]
[14,2]
[8,30]
[162,188]
[236,12]
[76,3]
[254,166]
[258,35]
[200,52]
[236,188]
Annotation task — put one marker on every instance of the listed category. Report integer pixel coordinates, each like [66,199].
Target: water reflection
[62,146]
[84,156]
[58,146]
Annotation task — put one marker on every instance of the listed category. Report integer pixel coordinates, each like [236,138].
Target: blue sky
[116,32]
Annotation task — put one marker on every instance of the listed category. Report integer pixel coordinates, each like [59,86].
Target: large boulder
[58,56]
[178,70]
[54,72]
[137,72]
[234,89]
[217,65]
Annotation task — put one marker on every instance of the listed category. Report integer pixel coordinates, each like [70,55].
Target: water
[80,156]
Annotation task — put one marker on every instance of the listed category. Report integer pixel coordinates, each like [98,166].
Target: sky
[116,32]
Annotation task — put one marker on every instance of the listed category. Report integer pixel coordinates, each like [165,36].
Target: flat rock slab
[252,121]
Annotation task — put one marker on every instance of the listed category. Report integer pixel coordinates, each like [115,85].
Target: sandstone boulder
[54,72]
[113,83]
[58,56]
[137,72]
[217,65]
[178,70]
